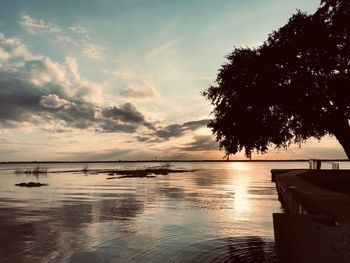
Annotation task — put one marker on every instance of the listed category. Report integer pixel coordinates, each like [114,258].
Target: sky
[122,79]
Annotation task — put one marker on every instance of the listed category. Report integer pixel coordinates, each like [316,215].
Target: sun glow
[239,166]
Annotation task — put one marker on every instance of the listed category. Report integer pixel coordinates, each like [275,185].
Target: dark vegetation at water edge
[144,173]
[332,180]
[30,184]
[147,172]
[122,173]
[36,172]
[32,171]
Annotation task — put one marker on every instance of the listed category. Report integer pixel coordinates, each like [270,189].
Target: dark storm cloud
[194,125]
[18,99]
[178,130]
[173,130]
[126,117]
[143,138]
[201,143]
[160,134]
[111,126]
[126,113]
[21,101]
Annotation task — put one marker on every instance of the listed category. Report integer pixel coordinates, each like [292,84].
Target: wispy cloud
[34,26]
[80,29]
[131,92]
[163,48]
[139,89]
[15,48]
[90,50]
[81,38]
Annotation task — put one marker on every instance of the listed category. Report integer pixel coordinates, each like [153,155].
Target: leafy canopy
[293,87]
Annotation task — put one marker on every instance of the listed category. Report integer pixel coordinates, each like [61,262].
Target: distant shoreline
[176,161]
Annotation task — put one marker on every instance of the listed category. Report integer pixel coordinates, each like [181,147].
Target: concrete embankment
[316,225]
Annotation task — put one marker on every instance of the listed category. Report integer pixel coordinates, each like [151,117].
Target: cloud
[143,138]
[177,130]
[79,29]
[126,113]
[123,73]
[8,41]
[194,125]
[161,49]
[14,48]
[40,91]
[201,143]
[44,70]
[21,51]
[52,101]
[90,50]
[72,65]
[4,55]
[172,131]
[18,98]
[138,92]
[34,26]
[133,85]
[65,40]
[112,127]
[21,101]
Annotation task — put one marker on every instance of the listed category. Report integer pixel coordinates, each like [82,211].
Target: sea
[213,212]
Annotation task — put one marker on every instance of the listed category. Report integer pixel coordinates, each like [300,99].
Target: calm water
[221,212]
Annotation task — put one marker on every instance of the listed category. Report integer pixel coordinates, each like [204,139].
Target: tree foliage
[293,87]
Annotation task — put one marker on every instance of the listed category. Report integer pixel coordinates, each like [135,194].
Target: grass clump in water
[32,171]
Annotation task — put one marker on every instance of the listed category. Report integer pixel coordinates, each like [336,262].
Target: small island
[31,184]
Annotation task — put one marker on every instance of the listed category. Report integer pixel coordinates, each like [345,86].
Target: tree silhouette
[293,87]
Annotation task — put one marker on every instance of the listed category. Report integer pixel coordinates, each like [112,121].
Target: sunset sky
[121,79]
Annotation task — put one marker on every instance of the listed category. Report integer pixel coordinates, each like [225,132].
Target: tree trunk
[342,133]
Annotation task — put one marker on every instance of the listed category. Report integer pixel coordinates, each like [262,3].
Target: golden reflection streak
[240,182]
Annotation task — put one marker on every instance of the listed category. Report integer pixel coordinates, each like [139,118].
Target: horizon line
[177,161]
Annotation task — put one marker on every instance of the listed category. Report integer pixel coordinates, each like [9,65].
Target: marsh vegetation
[32,171]
[36,172]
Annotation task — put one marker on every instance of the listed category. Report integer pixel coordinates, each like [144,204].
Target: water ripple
[234,249]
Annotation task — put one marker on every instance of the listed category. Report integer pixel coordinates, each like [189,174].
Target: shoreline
[175,161]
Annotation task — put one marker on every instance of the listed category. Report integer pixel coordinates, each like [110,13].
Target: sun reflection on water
[240,184]
[239,166]
[242,206]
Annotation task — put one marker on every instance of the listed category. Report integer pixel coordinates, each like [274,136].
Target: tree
[293,87]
